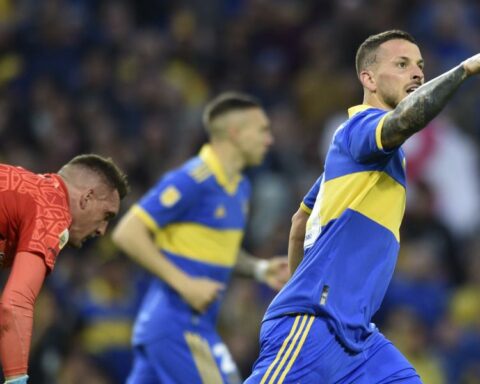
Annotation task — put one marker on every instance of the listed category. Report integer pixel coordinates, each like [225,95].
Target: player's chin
[256,160]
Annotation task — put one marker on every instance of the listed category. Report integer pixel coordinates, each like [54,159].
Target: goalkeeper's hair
[105,168]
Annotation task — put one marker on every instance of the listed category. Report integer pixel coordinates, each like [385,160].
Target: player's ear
[85,197]
[368,81]
[233,132]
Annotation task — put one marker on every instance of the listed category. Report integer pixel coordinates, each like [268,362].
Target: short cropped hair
[224,103]
[105,168]
[366,53]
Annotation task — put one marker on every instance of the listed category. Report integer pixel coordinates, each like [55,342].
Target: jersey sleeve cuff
[145,217]
[304,208]
[378,132]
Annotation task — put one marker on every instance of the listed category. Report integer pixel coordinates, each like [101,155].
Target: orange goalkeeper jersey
[34,214]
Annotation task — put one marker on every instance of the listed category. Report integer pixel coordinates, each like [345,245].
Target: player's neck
[231,162]
[374,101]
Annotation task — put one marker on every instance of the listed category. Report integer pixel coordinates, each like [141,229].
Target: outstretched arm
[415,111]
[16,314]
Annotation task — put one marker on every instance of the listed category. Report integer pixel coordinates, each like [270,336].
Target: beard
[390,99]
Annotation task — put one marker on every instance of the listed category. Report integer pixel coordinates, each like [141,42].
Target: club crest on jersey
[63,239]
[170,196]
[220,212]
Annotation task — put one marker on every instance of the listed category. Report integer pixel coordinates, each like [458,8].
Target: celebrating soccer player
[318,328]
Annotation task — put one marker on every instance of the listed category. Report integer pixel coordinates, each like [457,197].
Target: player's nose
[417,73]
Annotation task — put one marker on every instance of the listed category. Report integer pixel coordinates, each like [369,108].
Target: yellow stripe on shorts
[297,350]
[204,361]
[284,345]
[298,332]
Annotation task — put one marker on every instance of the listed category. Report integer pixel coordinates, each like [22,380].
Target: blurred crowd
[129,79]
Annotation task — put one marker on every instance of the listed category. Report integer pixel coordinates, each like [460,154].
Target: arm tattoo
[415,111]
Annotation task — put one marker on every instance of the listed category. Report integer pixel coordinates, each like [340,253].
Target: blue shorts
[184,357]
[301,349]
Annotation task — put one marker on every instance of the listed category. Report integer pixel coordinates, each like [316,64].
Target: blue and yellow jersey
[352,235]
[197,218]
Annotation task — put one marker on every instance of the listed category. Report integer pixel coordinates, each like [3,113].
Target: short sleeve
[309,200]
[169,199]
[364,135]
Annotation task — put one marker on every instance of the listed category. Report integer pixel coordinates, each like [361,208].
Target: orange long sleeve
[16,311]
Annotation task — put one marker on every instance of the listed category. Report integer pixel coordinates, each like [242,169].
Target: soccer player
[318,328]
[187,231]
[39,215]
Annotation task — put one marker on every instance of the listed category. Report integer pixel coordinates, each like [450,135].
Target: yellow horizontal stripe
[374,194]
[282,348]
[297,350]
[305,208]
[106,334]
[200,243]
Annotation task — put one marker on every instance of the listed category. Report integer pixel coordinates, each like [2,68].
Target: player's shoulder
[189,175]
[14,178]
[366,113]
[11,169]
[197,170]
[358,117]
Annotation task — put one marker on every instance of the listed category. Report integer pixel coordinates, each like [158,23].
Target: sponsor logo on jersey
[63,239]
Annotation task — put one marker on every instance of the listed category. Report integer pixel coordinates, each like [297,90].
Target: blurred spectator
[444,157]
[106,306]
[419,283]
[409,333]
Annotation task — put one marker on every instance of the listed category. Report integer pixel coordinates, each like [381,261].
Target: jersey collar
[213,162]
[358,108]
